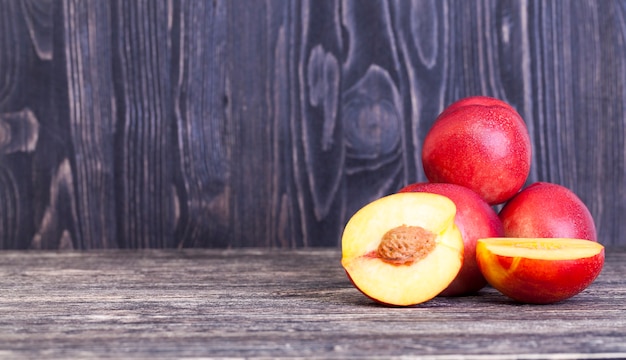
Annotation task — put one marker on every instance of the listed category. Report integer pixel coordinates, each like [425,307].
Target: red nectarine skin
[476,100]
[475,219]
[547,210]
[481,143]
[529,278]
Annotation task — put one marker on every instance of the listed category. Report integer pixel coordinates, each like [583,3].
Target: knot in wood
[404,245]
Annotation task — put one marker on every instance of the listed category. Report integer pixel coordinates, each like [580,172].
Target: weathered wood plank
[142,42]
[278,304]
[268,123]
[19,127]
[88,177]
[201,106]
[318,151]
[422,32]
[285,222]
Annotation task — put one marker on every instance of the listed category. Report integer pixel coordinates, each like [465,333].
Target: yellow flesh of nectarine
[544,249]
[422,216]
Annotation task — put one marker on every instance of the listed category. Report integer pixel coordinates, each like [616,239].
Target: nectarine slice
[403,249]
[542,270]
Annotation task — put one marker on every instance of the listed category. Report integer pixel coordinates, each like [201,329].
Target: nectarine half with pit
[403,249]
[542,270]
[475,219]
[481,143]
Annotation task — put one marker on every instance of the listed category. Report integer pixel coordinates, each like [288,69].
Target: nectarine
[547,210]
[475,219]
[481,143]
[539,271]
[403,249]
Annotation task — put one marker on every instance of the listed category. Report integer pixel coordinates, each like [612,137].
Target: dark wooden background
[156,123]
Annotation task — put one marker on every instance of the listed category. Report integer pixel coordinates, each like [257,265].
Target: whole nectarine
[547,210]
[481,143]
[403,249]
[475,219]
[539,271]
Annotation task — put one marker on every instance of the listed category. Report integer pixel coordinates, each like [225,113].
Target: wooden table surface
[277,304]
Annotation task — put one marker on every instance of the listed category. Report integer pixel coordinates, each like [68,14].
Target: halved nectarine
[403,249]
[541,270]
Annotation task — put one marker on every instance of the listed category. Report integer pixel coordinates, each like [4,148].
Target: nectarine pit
[404,245]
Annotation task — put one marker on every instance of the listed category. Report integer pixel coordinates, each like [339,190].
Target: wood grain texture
[259,303]
[182,123]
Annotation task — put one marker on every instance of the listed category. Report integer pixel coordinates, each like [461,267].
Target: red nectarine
[547,210]
[481,143]
[539,271]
